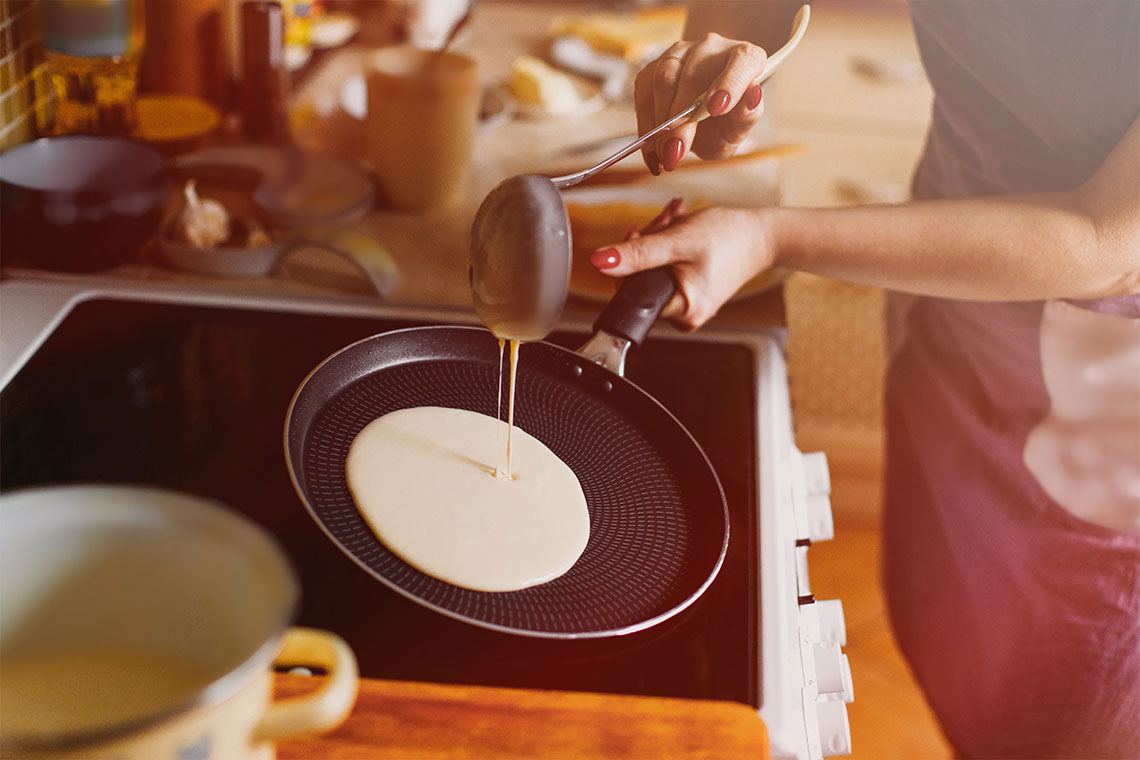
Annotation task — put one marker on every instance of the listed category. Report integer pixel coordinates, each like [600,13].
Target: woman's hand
[716,69]
[712,252]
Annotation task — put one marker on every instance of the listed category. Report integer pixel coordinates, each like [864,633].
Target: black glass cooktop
[194,398]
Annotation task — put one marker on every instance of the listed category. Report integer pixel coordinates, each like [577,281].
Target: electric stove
[188,391]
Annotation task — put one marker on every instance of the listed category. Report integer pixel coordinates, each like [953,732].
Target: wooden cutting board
[394,719]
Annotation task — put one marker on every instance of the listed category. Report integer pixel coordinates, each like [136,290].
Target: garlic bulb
[204,222]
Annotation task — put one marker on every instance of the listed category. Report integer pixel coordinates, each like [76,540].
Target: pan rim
[557,635]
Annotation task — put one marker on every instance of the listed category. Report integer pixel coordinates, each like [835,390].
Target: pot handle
[639,301]
[330,705]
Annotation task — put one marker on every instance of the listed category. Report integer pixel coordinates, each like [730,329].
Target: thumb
[637,254]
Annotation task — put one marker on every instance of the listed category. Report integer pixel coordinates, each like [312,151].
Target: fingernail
[752,97]
[607,258]
[660,168]
[718,103]
[654,164]
[674,152]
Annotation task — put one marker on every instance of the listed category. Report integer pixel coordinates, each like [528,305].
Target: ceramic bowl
[79,203]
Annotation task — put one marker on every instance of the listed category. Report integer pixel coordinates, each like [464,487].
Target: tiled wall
[24,83]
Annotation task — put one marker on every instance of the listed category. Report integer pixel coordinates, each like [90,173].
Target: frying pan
[658,516]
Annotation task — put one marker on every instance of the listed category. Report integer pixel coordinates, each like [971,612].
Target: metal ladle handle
[697,111]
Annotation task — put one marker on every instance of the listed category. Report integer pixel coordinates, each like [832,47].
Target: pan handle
[639,301]
[628,316]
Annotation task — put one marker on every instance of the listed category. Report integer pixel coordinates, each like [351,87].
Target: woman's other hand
[712,252]
[718,70]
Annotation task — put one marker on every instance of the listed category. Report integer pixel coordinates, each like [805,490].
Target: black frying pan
[658,517]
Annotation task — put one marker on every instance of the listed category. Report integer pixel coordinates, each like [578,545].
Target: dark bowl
[79,203]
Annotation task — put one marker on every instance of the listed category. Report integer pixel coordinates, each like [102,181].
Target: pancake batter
[424,480]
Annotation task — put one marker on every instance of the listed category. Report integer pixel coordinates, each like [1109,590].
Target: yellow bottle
[93,51]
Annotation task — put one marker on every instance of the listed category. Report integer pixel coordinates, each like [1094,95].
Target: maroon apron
[1011,546]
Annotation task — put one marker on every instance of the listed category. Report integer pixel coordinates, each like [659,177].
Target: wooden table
[395,719]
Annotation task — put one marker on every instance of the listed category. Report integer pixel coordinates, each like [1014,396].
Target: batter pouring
[425,481]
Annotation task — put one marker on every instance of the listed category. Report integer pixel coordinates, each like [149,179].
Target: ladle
[520,240]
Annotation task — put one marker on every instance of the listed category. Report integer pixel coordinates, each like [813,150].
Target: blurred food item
[206,224]
[175,122]
[93,51]
[202,223]
[535,83]
[257,236]
[333,29]
[539,89]
[635,37]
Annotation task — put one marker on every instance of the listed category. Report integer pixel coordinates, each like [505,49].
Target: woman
[1012,497]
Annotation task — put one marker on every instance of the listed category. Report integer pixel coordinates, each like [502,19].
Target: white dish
[364,253]
[333,30]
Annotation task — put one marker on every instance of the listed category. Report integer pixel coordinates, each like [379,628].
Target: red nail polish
[674,152]
[718,103]
[752,97]
[607,258]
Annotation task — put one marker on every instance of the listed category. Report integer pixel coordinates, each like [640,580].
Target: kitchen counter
[430,248]
[396,719]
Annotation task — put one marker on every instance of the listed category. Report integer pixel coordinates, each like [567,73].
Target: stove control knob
[832,672]
[832,625]
[834,728]
[817,492]
[824,621]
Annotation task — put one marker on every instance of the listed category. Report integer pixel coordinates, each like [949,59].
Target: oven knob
[817,492]
[832,625]
[832,672]
[834,728]
[824,621]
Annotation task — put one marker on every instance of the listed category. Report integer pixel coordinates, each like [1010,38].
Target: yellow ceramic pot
[140,623]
